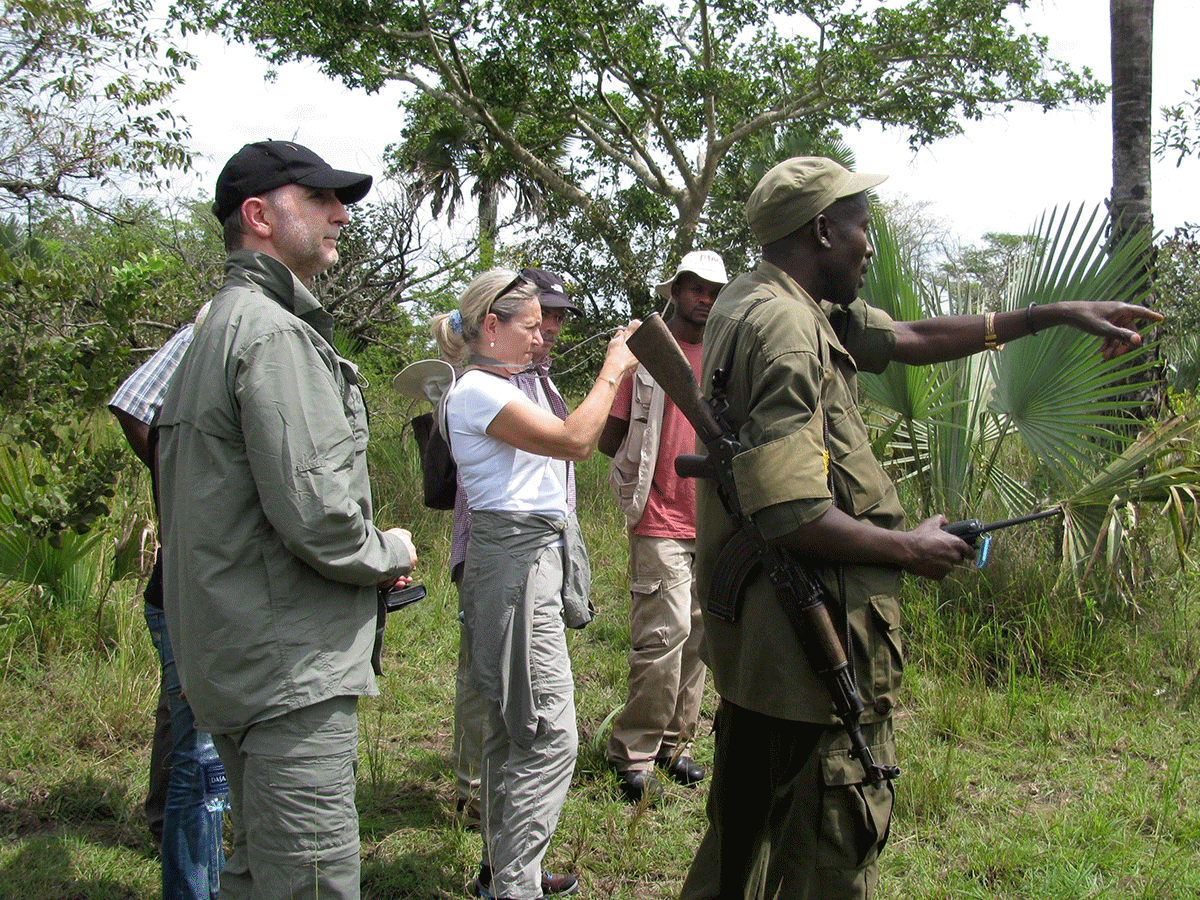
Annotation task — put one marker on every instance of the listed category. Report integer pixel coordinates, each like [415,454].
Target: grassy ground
[1047,749]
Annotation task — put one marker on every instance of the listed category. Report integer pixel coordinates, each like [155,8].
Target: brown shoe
[552,884]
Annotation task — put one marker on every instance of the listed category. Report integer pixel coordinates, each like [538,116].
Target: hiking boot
[637,785]
[552,885]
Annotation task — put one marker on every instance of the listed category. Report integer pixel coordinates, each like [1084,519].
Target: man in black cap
[271,557]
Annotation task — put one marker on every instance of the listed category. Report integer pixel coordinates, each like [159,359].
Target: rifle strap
[721,376]
[839,569]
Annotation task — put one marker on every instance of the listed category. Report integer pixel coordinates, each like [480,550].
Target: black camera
[398,598]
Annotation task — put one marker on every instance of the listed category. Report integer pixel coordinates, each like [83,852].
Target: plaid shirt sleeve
[141,394]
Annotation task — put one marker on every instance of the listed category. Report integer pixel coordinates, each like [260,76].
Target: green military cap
[793,192]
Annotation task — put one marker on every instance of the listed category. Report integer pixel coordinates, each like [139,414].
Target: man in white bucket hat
[644,434]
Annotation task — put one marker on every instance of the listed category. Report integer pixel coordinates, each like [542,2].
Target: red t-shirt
[671,505]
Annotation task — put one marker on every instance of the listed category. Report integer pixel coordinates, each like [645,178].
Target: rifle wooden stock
[656,349]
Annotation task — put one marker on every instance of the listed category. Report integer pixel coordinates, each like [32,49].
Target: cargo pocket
[855,815]
[647,621]
[887,659]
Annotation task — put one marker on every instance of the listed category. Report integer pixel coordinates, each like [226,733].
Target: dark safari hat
[265,165]
[551,291]
[796,190]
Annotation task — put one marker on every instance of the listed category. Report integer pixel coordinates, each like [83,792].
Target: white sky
[1001,175]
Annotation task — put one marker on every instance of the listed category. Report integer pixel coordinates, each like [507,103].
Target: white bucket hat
[426,379]
[705,263]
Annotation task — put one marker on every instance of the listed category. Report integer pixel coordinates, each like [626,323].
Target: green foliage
[1181,135]
[988,271]
[1177,283]
[45,517]
[85,99]
[947,426]
[446,151]
[80,307]
[655,96]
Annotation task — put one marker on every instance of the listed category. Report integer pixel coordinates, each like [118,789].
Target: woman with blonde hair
[526,575]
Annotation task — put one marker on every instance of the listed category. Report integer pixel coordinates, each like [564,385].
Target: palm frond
[1149,470]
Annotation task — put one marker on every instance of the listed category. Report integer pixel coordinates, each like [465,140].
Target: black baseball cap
[265,165]
[551,291]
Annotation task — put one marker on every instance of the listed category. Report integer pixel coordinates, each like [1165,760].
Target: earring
[492,344]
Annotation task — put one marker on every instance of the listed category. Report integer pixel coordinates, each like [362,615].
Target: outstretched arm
[951,337]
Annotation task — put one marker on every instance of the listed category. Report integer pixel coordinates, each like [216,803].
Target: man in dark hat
[790,813]
[271,557]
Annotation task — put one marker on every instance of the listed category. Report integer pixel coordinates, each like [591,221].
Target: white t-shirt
[496,475]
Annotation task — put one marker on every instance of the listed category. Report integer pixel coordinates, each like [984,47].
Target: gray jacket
[270,554]
[631,471]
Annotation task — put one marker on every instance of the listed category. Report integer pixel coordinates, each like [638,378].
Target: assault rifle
[797,589]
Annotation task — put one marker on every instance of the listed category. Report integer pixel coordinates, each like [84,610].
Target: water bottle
[216,785]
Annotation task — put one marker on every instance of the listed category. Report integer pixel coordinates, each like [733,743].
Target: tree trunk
[489,222]
[1132,26]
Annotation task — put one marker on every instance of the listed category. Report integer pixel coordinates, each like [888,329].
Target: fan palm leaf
[946,425]
[1150,470]
[1067,402]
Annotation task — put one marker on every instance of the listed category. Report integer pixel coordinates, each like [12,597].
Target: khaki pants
[291,793]
[788,816]
[523,788]
[666,676]
[470,710]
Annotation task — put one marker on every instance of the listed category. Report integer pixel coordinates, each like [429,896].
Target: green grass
[1046,740]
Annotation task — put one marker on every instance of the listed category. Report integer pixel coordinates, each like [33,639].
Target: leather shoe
[637,785]
[683,770]
[552,884]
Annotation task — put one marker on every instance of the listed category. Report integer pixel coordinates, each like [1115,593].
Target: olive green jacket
[793,395]
[270,554]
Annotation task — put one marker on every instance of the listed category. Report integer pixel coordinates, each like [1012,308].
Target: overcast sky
[999,176]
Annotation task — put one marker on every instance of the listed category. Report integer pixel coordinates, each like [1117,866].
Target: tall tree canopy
[657,94]
[84,97]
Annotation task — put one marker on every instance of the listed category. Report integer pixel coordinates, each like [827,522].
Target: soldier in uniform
[789,812]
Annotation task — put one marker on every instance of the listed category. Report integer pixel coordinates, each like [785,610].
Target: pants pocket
[855,815]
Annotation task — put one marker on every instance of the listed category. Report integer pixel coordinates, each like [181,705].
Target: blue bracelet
[1029,318]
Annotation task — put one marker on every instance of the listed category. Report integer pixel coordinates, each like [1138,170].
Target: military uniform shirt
[793,395]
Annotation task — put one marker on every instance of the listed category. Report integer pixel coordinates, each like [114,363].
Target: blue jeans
[192,855]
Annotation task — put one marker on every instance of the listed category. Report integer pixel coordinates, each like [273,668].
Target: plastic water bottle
[216,785]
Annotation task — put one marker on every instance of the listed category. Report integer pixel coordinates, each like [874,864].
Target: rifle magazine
[736,563]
